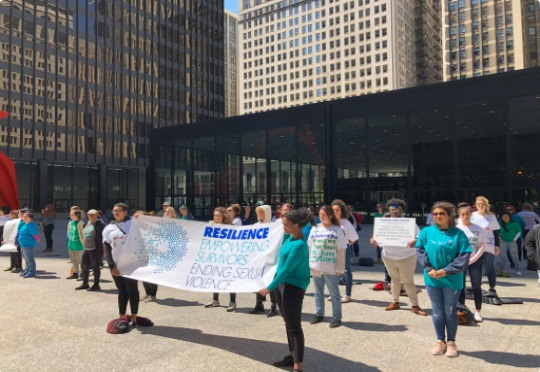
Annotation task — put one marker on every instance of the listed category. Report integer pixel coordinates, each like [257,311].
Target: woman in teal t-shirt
[290,284]
[443,250]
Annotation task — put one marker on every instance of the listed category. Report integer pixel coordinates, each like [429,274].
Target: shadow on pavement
[374,327]
[174,302]
[506,359]
[262,351]
[524,322]
[508,284]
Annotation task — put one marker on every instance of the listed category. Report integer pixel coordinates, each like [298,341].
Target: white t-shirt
[349,230]
[324,243]
[237,221]
[116,237]
[489,223]
[399,252]
[476,235]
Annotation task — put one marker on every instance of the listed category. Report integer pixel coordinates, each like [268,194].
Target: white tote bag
[8,247]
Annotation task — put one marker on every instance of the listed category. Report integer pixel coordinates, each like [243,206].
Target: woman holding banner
[114,237]
[264,215]
[221,216]
[327,244]
[290,284]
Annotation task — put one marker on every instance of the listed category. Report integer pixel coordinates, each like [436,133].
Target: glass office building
[450,141]
[85,82]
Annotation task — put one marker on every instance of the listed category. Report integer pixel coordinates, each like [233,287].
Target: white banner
[201,257]
[394,231]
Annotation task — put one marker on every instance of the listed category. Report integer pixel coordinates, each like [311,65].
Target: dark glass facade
[450,141]
[85,82]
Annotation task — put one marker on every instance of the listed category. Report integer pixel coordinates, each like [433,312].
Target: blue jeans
[511,248]
[29,259]
[489,265]
[348,272]
[444,303]
[332,282]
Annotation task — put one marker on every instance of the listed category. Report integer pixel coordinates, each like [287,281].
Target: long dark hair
[330,213]
[503,224]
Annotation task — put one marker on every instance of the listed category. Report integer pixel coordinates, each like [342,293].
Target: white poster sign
[397,232]
[201,257]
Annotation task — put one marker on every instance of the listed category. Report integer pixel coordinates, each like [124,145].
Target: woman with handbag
[443,250]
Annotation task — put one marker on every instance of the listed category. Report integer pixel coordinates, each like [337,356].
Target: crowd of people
[318,244]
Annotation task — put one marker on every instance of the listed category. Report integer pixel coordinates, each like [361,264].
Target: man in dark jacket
[532,247]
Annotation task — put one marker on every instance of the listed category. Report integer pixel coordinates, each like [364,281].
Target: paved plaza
[48,326]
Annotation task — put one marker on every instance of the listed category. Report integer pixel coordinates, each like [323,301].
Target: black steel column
[102,187]
[331,172]
[43,184]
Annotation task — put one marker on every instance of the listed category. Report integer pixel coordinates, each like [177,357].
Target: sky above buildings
[232,5]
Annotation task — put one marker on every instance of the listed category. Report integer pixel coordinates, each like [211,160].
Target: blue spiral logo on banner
[166,245]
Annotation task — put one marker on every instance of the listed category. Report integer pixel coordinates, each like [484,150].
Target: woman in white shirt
[327,248]
[488,221]
[9,236]
[342,215]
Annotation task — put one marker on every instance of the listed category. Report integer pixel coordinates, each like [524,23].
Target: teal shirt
[293,266]
[442,248]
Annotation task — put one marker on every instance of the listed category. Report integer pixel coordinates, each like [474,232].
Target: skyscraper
[230,32]
[488,36]
[295,52]
[85,81]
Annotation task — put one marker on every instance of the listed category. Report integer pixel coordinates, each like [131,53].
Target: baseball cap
[166,204]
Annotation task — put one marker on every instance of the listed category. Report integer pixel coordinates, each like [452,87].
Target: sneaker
[29,275]
[451,349]
[346,299]
[316,320]
[11,268]
[73,276]
[132,324]
[288,361]
[16,270]
[94,288]
[418,311]
[439,348]
[213,303]
[518,273]
[393,306]
[478,317]
[231,307]
[23,273]
[335,323]
[82,286]
[145,298]
[150,299]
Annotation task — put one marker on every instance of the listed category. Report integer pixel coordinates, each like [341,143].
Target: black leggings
[91,260]
[48,231]
[231,295]
[150,288]
[289,299]
[128,290]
